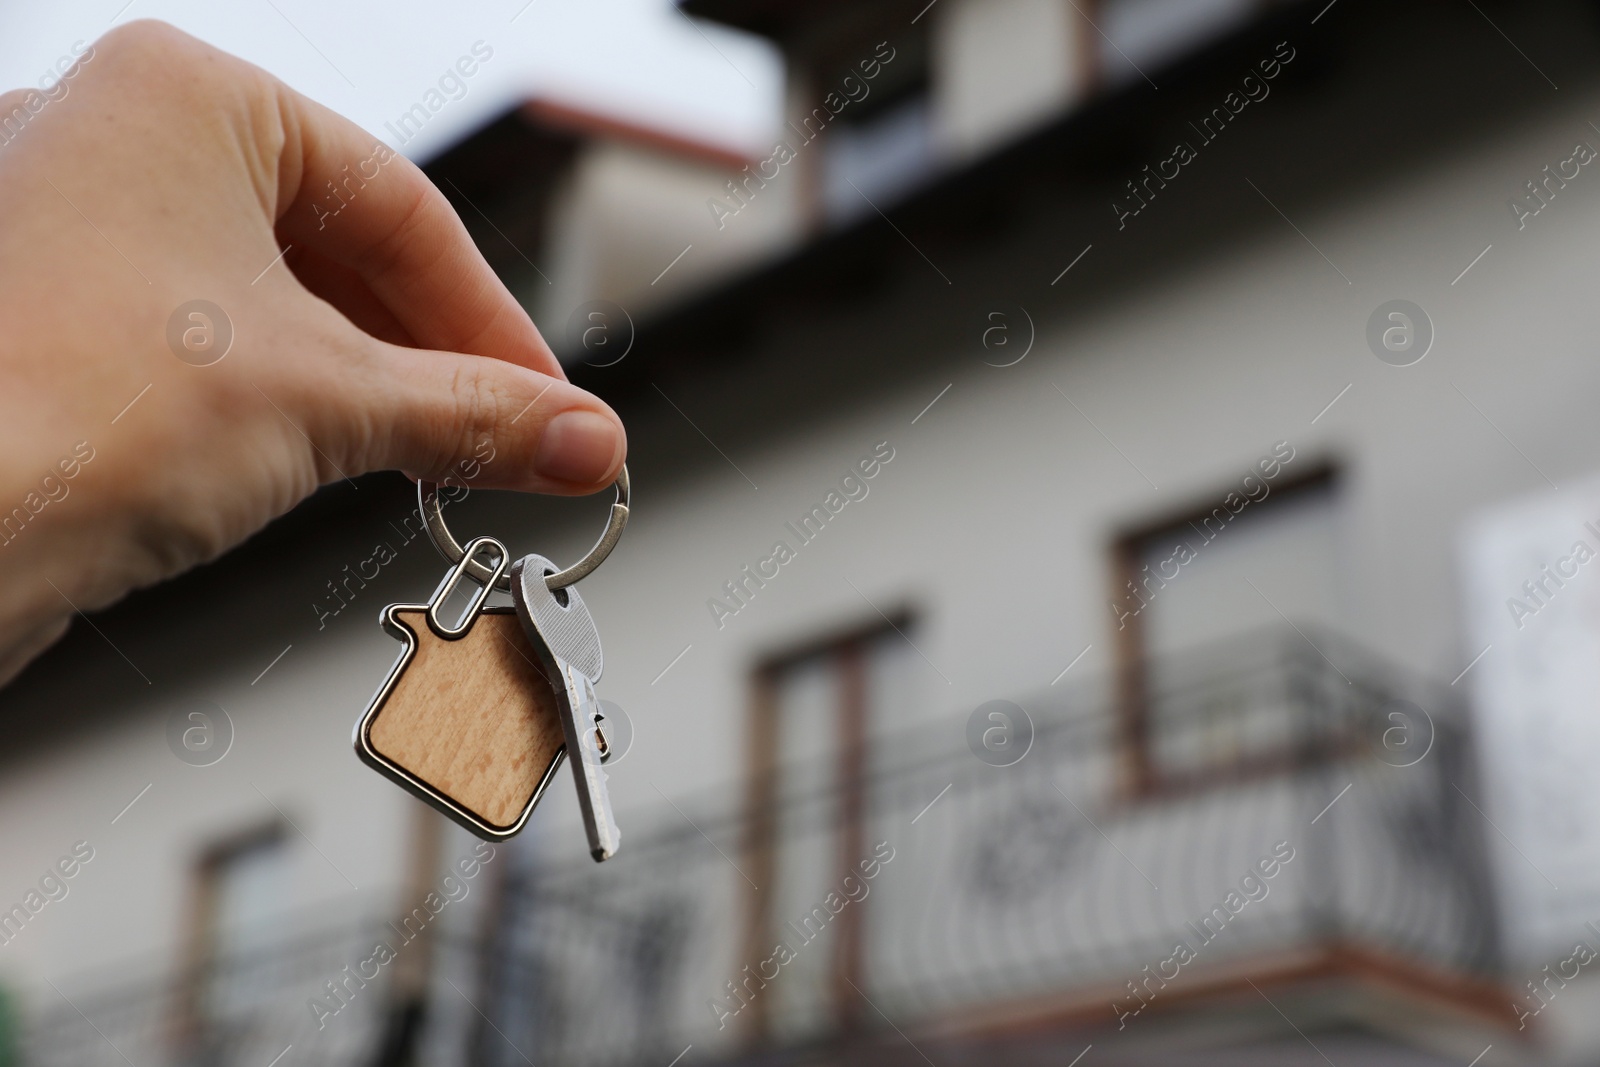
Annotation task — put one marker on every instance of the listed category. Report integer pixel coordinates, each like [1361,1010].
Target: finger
[351,199]
[347,291]
[10,101]
[438,414]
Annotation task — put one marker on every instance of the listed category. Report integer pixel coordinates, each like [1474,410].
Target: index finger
[357,202]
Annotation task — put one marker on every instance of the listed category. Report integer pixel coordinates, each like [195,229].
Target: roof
[566,116]
[779,19]
[500,178]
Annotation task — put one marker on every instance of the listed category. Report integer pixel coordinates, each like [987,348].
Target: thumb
[436,414]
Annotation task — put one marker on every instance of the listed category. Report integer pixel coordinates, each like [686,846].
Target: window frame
[1141,775]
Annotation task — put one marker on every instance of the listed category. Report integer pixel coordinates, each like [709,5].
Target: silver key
[569,644]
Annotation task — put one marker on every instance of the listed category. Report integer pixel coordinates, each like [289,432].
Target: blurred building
[1141,677]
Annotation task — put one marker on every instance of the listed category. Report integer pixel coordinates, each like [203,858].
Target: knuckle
[163,61]
[142,42]
[145,36]
[483,399]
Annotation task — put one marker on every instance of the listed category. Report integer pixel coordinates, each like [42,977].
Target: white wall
[1000,66]
[624,214]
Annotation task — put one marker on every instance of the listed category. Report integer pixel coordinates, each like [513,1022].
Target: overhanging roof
[778,19]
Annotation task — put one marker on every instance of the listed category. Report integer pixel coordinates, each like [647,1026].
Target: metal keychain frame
[399,628]
[432,508]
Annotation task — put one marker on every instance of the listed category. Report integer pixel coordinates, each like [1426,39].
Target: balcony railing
[1045,891]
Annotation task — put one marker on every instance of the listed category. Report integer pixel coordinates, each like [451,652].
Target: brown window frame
[847,646]
[197,954]
[1141,777]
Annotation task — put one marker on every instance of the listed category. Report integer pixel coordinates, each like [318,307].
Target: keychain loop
[442,594]
[432,509]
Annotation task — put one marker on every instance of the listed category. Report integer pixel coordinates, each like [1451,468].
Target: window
[240,885]
[817,713]
[861,116]
[880,158]
[1204,604]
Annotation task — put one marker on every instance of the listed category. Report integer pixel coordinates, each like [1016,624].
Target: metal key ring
[432,508]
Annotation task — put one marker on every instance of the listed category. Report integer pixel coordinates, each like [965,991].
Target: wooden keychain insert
[468,719]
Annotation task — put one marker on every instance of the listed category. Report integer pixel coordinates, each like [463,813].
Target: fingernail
[578,446]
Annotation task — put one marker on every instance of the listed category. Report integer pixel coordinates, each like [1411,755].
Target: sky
[639,60]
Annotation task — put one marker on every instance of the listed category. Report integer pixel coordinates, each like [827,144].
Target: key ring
[432,509]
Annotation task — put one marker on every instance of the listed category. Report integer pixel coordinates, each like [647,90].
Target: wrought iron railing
[1044,886]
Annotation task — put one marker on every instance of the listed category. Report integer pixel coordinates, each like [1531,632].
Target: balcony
[1296,816]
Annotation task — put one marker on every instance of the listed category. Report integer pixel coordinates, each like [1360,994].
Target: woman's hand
[160,172]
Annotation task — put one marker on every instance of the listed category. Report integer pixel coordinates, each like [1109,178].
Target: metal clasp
[465,569]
